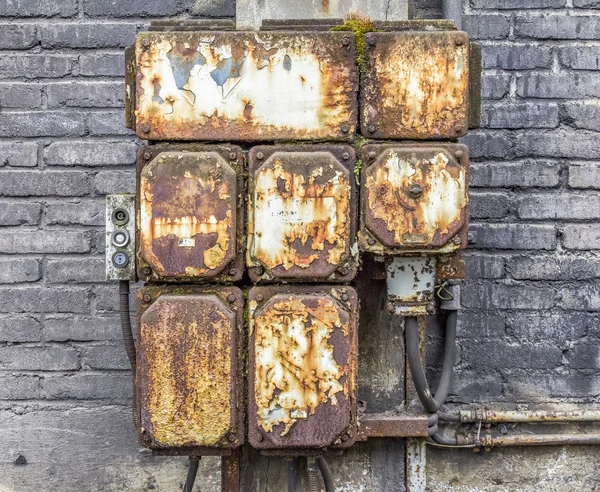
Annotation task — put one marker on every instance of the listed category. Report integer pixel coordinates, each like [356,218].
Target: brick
[19,387]
[90,153]
[476,326]
[211,8]
[558,143]
[38,8]
[104,357]
[108,123]
[557,26]
[92,386]
[497,355]
[44,242]
[86,95]
[102,64]
[563,267]
[582,115]
[20,96]
[474,387]
[584,175]
[75,270]
[572,85]
[17,36]
[519,174]
[494,84]
[142,8]
[500,296]
[44,183]
[520,115]
[539,326]
[34,66]
[539,387]
[81,212]
[15,357]
[488,205]
[20,329]
[559,206]
[87,35]
[40,300]
[107,297]
[580,57]
[582,298]
[42,124]
[517,4]
[106,182]
[19,270]
[15,213]
[586,3]
[581,236]
[514,236]
[488,144]
[486,26]
[18,154]
[584,355]
[515,56]
[484,266]
[77,328]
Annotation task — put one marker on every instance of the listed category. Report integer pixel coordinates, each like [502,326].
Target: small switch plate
[120,230]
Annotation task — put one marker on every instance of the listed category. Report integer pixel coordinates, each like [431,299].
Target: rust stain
[295,367]
[244,86]
[187,214]
[415,198]
[417,86]
[185,364]
[301,212]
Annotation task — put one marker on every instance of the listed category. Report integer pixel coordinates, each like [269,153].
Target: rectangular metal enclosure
[228,85]
[302,367]
[190,213]
[302,208]
[190,368]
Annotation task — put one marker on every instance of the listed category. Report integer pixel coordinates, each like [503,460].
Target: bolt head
[147,155]
[147,298]
[372,154]
[371,241]
[458,154]
[371,40]
[459,42]
[457,240]
[146,271]
[146,128]
[343,270]
[260,155]
[233,156]
[371,128]
[259,270]
[345,297]
[415,190]
[232,271]
[345,128]
[458,129]
[231,437]
[346,41]
[259,437]
[231,298]
[145,43]
[345,156]
[260,297]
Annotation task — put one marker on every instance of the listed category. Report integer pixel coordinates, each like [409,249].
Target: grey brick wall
[530,331]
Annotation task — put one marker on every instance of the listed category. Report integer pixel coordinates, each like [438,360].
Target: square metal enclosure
[235,85]
[302,367]
[416,85]
[190,213]
[414,198]
[302,213]
[190,368]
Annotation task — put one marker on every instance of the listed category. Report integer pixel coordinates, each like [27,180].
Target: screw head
[260,155]
[371,40]
[345,128]
[346,41]
[458,129]
[232,271]
[259,437]
[231,298]
[458,154]
[372,154]
[233,156]
[415,190]
[145,43]
[147,298]
[371,128]
[147,155]
[146,271]
[345,297]
[345,437]
[231,437]
[457,240]
[343,271]
[260,297]
[259,270]
[145,128]
[345,156]
[371,241]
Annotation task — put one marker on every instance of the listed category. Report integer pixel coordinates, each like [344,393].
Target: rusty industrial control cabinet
[274,197]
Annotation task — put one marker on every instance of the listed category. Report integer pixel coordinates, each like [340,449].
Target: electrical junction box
[411,285]
[190,368]
[190,213]
[302,213]
[302,367]
[236,85]
[120,237]
[414,198]
[417,85]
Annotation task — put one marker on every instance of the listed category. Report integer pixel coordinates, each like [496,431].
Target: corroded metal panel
[190,216]
[410,285]
[189,368]
[302,213]
[414,198]
[416,85]
[245,85]
[302,367]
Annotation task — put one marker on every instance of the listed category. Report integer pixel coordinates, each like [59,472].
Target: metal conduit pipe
[326,474]
[540,440]
[524,416]
[191,476]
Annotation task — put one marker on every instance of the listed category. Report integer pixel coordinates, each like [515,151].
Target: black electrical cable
[128,341]
[326,474]
[432,403]
[293,471]
[191,475]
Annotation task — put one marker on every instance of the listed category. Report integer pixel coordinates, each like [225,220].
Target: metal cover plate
[416,85]
[189,211]
[245,85]
[302,367]
[302,213]
[189,367]
[414,198]
[410,285]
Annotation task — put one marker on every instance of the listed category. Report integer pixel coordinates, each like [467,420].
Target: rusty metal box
[302,367]
[219,85]
[302,213]
[414,198]
[190,368]
[190,213]
[416,85]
